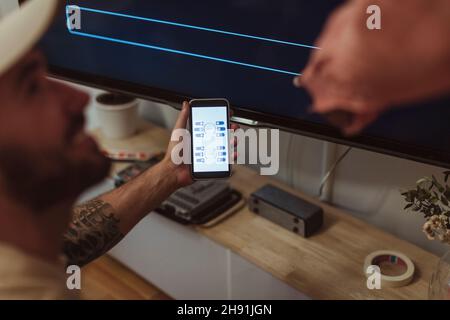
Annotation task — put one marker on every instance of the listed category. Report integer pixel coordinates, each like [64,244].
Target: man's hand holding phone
[183,171]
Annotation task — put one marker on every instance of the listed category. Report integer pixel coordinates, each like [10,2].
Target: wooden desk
[328,265]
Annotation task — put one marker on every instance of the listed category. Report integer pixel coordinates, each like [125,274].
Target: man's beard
[41,180]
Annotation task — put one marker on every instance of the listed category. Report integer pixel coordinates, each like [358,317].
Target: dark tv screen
[247,51]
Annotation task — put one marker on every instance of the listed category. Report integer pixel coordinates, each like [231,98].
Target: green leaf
[425,183]
[436,210]
[408,206]
[447,192]
[447,175]
[410,195]
[437,184]
[423,195]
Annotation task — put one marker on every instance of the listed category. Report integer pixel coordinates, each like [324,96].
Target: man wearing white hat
[46,161]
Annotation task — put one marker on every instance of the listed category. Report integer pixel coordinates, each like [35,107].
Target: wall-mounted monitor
[247,51]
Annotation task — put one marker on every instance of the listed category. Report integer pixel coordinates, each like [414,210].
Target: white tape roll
[378,257]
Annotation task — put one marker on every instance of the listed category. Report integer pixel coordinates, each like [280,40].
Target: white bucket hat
[22,28]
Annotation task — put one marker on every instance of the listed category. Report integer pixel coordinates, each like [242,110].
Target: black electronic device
[286,210]
[134,169]
[198,204]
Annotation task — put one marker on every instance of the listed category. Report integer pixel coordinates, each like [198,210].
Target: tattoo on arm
[94,230]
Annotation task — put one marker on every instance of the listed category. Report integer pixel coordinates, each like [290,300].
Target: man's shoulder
[23,276]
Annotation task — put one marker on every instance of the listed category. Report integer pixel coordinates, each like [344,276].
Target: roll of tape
[378,257]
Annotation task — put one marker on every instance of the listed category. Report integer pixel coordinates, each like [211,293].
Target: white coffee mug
[117,115]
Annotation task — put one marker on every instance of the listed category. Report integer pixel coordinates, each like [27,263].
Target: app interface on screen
[210,139]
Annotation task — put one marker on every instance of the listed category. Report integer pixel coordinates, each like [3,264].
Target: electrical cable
[289,166]
[327,176]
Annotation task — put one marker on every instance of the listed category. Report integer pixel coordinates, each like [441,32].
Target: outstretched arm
[364,72]
[93,231]
[100,224]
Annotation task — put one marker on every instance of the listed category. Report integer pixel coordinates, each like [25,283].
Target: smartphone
[210,142]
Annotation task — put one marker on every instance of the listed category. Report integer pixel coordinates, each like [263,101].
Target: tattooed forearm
[94,230]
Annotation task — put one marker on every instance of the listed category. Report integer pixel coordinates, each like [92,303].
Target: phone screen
[210,140]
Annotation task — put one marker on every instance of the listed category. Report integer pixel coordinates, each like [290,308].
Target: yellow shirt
[25,277]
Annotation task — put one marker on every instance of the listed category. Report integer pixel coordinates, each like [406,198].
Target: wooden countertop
[107,279]
[328,265]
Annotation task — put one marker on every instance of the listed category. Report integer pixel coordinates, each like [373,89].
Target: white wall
[7,5]
[369,184]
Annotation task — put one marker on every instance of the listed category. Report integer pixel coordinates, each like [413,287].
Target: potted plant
[431,198]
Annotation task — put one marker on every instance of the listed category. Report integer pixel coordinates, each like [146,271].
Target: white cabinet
[248,282]
[176,259]
[187,265]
